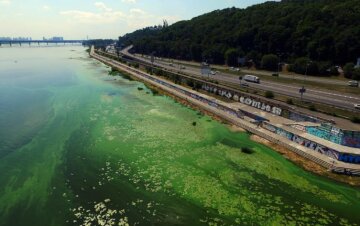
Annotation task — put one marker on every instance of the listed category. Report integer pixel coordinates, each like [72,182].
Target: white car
[357,106]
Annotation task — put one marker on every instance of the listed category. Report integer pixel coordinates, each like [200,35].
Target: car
[213,72]
[244,85]
[182,67]
[357,106]
[353,83]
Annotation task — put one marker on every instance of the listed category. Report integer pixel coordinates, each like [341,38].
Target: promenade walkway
[245,123]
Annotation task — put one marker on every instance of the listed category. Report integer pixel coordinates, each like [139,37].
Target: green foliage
[247,150]
[269,94]
[312,108]
[290,101]
[304,66]
[333,70]
[355,119]
[231,56]
[322,30]
[356,74]
[351,72]
[348,70]
[270,62]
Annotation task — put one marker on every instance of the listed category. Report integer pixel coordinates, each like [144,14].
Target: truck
[251,78]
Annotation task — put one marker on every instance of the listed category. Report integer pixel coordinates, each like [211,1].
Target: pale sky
[77,19]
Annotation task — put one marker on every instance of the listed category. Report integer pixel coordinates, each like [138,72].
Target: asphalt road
[330,98]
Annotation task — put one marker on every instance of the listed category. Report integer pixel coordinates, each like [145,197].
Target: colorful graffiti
[344,157]
[242,99]
[336,135]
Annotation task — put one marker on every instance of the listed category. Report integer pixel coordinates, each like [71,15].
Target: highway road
[330,98]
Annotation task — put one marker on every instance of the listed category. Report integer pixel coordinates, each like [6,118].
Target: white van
[251,78]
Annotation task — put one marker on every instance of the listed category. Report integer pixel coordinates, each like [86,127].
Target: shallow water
[79,146]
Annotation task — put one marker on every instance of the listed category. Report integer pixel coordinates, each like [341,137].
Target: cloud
[129,1]
[46,7]
[135,18]
[102,6]
[138,11]
[93,18]
[5,2]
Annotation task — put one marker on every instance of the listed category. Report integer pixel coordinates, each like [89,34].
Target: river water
[78,146]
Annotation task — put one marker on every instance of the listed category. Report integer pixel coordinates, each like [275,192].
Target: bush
[324,68]
[303,66]
[348,70]
[356,74]
[270,62]
[190,83]
[355,119]
[312,108]
[247,150]
[333,70]
[269,94]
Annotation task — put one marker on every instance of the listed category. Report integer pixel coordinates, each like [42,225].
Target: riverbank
[306,164]
[223,116]
[286,153]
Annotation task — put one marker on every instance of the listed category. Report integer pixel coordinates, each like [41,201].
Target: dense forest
[311,35]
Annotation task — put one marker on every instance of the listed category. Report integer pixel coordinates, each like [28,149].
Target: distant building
[22,39]
[57,39]
[5,39]
[54,39]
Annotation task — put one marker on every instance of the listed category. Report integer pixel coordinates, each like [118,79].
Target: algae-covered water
[81,147]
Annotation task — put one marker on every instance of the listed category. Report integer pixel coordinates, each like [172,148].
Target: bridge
[29,42]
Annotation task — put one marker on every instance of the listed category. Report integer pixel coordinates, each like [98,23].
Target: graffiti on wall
[244,100]
[302,118]
[313,145]
[336,135]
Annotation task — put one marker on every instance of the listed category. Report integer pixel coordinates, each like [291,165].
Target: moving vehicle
[251,78]
[357,106]
[353,83]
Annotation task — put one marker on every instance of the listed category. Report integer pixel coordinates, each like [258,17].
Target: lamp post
[306,70]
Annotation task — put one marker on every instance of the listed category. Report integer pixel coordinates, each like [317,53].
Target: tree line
[313,36]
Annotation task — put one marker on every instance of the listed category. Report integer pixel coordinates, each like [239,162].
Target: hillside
[324,31]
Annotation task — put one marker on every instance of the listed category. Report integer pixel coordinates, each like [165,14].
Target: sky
[79,19]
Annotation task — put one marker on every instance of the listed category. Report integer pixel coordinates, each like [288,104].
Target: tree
[324,31]
[270,62]
[356,74]
[231,57]
[269,94]
[348,70]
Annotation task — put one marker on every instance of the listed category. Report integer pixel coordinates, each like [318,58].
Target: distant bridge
[29,42]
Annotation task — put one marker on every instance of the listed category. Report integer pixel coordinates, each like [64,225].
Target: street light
[306,70]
